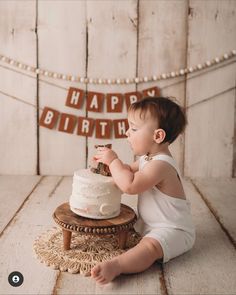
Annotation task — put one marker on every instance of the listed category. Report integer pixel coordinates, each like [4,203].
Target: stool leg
[66,239]
[122,238]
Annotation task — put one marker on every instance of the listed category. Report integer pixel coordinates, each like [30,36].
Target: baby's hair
[169,115]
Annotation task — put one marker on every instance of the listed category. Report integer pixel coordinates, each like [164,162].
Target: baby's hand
[105,155]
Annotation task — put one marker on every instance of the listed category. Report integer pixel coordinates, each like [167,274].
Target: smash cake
[95,195]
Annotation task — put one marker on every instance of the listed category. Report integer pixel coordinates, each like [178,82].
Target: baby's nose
[127,133]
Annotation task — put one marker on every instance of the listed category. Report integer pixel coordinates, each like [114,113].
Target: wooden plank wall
[112,39]
[62,48]
[18,128]
[210,96]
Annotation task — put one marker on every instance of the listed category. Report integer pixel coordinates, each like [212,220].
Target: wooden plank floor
[27,204]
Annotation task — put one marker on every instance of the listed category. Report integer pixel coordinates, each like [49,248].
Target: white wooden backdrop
[116,39]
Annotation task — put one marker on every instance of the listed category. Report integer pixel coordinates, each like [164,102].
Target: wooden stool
[71,222]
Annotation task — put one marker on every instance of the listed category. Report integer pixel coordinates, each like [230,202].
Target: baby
[164,220]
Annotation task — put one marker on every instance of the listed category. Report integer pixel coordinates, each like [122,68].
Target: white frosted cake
[94,195]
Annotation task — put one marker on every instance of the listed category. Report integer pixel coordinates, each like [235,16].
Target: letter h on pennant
[120,127]
[75,98]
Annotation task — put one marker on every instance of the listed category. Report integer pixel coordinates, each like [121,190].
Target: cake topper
[102,168]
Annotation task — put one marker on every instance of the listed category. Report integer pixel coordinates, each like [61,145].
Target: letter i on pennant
[48,118]
[67,123]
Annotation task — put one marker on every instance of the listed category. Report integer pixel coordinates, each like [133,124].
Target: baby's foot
[106,271]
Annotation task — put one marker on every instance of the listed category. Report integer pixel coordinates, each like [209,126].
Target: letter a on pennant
[95,101]
[48,118]
[67,123]
[120,127]
[103,128]
[75,98]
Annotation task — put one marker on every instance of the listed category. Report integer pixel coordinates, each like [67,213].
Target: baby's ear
[159,135]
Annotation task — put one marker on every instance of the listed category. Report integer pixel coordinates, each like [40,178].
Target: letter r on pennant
[85,126]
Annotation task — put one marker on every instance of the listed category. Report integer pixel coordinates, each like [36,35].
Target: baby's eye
[133,129]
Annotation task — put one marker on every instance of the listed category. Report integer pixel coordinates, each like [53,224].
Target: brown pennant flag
[131,97]
[120,127]
[154,91]
[85,126]
[49,118]
[103,128]
[95,101]
[114,102]
[67,123]
[75,98]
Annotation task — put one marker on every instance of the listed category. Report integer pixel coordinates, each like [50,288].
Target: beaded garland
[87,80]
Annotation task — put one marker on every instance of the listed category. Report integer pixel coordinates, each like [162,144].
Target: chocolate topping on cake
[102,168]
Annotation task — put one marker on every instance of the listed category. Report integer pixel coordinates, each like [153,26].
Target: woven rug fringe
[86,250]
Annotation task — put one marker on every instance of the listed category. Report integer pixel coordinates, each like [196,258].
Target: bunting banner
[94,102]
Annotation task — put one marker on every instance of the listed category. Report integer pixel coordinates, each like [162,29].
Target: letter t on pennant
[103,128]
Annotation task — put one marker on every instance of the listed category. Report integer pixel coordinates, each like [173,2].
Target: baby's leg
[137,259]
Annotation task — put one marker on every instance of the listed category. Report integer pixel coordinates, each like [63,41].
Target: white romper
[164,218]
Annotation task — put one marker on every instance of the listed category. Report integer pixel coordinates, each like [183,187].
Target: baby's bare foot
[106,271]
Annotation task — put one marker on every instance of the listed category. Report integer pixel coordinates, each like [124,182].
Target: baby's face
[141,132]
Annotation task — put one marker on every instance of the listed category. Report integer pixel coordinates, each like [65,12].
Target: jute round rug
[86,250]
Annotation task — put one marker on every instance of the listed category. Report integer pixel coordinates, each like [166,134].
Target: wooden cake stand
[71,222]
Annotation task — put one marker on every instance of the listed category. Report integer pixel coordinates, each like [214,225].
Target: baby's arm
[121,172]
[132,181]
[132,167]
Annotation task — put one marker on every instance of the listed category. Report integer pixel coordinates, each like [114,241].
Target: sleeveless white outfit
[164,218]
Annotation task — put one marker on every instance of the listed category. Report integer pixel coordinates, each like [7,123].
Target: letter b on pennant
[48,118]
